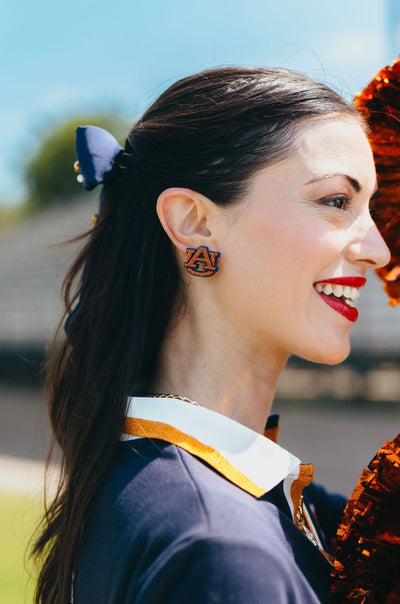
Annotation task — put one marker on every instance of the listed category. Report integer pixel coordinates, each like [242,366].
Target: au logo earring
[201,262]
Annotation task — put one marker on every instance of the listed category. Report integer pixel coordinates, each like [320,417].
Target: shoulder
[161,488]
[210,568]
[164,517]
[158,492]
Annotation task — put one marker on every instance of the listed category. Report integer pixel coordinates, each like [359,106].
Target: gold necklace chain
[180,398]
[302,523]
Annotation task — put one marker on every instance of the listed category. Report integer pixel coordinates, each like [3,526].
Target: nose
[368,246]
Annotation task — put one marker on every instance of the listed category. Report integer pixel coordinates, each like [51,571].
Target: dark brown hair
[210,132]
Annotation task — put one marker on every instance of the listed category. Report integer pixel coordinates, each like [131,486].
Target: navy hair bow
[96,150]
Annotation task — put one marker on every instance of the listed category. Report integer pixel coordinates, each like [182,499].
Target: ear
[187,217]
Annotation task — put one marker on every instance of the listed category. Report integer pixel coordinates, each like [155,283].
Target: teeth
[351,294]
[337,290]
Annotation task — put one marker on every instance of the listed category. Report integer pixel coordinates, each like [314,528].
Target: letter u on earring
[201,262]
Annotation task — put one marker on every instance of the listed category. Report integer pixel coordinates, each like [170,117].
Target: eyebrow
[355,184]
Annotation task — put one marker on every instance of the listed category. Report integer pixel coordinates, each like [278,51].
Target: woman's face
[302,229]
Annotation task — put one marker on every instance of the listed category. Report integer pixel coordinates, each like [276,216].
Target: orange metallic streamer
[367,552]
[379,104]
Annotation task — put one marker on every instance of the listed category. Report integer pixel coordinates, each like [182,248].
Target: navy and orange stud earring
[201,262]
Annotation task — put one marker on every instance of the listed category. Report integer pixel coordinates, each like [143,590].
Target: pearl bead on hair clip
[80,178]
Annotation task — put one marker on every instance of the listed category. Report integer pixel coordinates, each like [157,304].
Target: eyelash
[342,199]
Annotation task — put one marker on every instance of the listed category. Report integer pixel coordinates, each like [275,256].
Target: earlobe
[186,217]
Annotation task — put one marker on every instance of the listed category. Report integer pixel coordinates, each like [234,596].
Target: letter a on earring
[201,262]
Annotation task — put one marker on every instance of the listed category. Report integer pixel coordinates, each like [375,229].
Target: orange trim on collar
[151,429]
[303,480]
[272,434]
[272,428]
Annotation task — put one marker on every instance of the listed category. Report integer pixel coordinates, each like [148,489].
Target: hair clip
[96,149]
[77,169]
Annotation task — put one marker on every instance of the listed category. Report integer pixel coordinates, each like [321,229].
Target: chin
[328,356]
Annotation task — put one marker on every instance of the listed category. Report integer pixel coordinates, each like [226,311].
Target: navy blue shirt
[168,528]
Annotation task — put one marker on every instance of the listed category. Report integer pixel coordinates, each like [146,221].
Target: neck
[218,369]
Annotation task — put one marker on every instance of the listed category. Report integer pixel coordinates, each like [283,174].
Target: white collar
[262,462]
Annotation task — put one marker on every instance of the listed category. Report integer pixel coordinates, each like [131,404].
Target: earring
[201,262]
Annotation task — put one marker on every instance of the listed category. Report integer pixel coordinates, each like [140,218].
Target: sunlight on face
[303,222]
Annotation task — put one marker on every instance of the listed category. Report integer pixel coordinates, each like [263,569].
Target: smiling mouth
[341,294]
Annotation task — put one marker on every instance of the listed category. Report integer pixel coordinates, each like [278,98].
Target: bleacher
[32,266]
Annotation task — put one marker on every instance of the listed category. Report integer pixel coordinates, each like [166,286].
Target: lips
[337,303]
[349,312]
[350,281]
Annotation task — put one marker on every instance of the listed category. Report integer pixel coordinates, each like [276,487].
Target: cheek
[280,252]
[297,258]
[294,251]
[267,262]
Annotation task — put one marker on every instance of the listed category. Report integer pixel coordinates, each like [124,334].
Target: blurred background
[90,62]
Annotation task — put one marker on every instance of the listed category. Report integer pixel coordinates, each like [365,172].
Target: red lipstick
[347,311]
[351,281]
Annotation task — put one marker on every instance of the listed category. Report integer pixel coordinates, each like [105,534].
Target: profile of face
[296,247]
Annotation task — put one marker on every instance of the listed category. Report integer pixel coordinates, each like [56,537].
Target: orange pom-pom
[379,104]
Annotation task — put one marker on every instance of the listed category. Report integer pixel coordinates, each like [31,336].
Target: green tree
[49,173]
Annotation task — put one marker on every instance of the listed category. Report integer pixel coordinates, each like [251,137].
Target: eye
[336,201]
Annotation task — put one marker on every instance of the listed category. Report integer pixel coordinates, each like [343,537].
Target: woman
[234,230]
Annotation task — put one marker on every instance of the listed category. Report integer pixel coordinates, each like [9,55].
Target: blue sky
[66,58]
